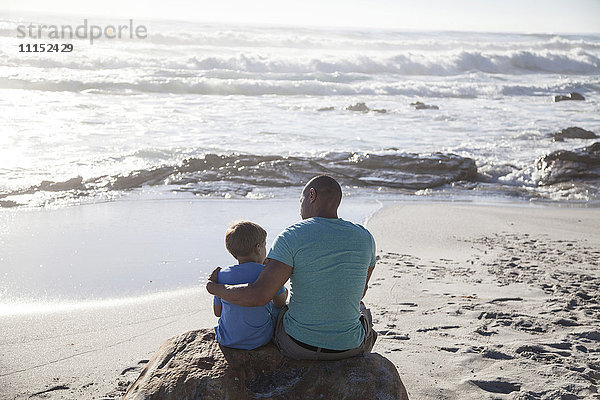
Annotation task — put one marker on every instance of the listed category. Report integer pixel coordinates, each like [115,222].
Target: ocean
[224,113]
[234,111]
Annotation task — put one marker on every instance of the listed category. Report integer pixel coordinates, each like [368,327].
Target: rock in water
[565,166]
[576,96]
[360,107]
[422,106]
[573,132]
[570,96]
[379,110]
[193,366]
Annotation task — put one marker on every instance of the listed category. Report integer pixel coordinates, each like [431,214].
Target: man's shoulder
[324,223]
[302,224]
[298,228]
[354,225]
[357,229]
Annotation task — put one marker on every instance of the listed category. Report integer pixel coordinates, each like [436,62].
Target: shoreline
[56,305]
[107,251]
[431,294]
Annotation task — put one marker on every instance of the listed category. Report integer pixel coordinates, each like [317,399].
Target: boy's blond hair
[242,237]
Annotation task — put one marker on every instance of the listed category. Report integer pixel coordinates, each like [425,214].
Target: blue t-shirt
[331,258]
[244,327]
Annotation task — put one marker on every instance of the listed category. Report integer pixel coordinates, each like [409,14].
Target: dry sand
[481,302]
[471,302]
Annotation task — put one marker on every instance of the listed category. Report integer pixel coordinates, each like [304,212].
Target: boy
[246,327]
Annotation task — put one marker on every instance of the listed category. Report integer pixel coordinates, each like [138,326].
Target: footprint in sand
[484,330]
[391,334]
[496,355]
[498,386]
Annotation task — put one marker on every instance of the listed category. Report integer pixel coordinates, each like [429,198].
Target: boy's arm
[273,276]
[217,309]
[279,300]
[217,306]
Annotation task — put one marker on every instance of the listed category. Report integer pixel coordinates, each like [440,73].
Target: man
[329,262]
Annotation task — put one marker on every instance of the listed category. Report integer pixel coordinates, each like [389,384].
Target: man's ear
[312,194]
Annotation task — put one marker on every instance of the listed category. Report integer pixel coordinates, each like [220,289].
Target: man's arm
[368,277]
[271,279]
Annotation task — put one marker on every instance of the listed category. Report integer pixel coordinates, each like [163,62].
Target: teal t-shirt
[330,260]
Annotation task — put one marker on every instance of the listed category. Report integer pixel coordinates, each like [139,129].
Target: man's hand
[214,276]
[271,279]
[368,278]
[212,279]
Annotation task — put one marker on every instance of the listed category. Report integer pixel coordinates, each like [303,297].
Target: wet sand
[471,302]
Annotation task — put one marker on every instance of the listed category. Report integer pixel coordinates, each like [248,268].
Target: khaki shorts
[291,349]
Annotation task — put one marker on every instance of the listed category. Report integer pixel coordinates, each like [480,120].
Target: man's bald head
[325,186]
[321,197]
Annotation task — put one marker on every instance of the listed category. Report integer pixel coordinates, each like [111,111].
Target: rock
[193,366]
[409,171]
[422,106]
[573,132]
[563,165]
[360,107]
[570,96]
[8,204]
[325,109]
[71,184]
[576,96]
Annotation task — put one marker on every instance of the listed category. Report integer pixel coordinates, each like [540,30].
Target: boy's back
[244,327]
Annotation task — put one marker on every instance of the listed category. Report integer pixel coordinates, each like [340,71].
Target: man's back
[330,259]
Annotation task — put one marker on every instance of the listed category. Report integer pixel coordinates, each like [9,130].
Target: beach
[495,302]
[471,301]
[472,156]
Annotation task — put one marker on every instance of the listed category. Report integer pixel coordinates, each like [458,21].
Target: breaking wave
[442,63]
[315,86]
[463,74]
[218,60]
[572,175]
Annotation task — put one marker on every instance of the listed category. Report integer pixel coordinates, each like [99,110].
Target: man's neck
[330,215]
[322,211]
